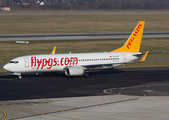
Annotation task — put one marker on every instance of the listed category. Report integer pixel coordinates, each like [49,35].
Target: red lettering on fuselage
[49,63]
[55,62]
[61,61]
[73,60]
[44,63]
[33,61]
[39,63]
[66,61]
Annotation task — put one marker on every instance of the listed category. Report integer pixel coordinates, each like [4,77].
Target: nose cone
[6,67]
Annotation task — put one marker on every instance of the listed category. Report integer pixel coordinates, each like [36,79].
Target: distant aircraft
[77,64]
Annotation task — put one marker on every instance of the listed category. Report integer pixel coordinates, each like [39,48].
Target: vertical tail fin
[134,41]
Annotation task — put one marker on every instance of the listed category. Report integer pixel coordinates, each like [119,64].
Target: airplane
[78,64]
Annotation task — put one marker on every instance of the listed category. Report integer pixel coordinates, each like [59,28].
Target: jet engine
[74,71]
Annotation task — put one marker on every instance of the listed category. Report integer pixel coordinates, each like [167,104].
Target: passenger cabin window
[14,62]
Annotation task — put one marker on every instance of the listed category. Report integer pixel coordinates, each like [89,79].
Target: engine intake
[74,71]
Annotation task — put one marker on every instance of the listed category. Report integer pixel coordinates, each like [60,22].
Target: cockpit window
[14,62]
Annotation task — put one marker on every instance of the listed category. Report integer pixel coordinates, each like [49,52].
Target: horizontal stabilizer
[139,54]
[144,57]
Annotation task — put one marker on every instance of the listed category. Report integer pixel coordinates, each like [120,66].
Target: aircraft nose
[6,67]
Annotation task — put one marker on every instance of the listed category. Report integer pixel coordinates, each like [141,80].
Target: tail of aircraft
[134,41]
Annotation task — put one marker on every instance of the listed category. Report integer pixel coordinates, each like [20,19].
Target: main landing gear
[85,74]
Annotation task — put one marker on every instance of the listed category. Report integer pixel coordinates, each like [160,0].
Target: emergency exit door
[124,58]
[26,62]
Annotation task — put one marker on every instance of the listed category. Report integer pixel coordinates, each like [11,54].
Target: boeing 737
[77,64]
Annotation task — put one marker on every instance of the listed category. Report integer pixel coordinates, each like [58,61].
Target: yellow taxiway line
[4,114]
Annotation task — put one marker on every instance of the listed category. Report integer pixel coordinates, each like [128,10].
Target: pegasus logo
[132,38]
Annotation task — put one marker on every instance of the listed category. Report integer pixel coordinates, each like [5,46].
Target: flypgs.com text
[41,63]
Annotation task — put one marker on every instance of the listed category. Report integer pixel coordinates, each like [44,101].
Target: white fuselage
[58,62]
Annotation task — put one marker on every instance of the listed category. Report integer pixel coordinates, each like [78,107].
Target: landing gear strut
[85,74]
[18,74]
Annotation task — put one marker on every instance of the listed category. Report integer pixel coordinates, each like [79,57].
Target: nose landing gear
[19,77]
[18,74]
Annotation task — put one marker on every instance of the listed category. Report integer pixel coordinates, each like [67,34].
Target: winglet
[134,41]
[144,57]
[53,51]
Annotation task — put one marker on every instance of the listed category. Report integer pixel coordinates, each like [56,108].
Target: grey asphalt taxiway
[85,12]
[80,36]
[118,94]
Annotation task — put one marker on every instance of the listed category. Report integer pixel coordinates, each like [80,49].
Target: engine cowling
[74,71]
